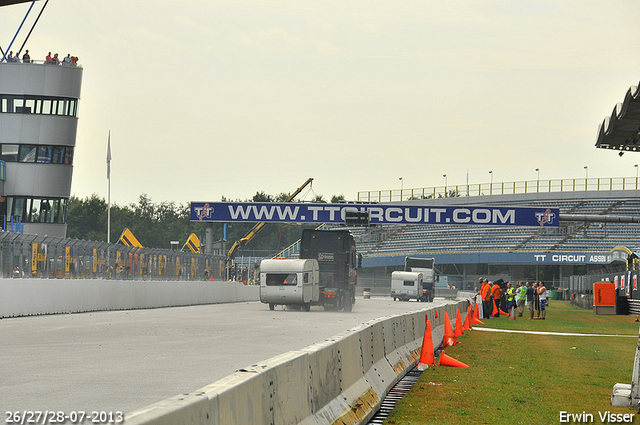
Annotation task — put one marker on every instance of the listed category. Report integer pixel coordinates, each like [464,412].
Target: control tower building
[38,126]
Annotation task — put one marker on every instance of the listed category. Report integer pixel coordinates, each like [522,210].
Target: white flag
[109,157]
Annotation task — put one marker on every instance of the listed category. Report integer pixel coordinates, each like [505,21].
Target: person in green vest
[521,298]
[511,301]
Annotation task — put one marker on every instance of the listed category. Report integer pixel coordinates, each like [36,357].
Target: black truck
[335,251]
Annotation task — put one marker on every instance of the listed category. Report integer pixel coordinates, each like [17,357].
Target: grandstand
[472,251]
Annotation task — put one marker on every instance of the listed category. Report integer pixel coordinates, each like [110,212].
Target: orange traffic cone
[477,321]
[449,339]
[467,320]
[476,316]
[495,309]
[458,331]
[426,354]
[504,313]
[450,361]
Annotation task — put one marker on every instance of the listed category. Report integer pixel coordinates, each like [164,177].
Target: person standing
[521,298]
[536,300]
[530,294]
[496,291]
[542,294]
[487,304]
[26,58]
[511,301]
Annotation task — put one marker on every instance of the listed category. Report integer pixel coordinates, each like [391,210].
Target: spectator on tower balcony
[56,60]
[10,57]
[26,58]
[67,60]
[48,60]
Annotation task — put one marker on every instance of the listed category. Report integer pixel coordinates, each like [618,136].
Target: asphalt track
[125,360]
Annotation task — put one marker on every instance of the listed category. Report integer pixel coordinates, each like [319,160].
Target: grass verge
[525,378]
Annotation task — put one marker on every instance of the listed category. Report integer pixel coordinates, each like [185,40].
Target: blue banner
[378,213]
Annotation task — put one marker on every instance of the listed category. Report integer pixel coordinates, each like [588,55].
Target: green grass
[524,378]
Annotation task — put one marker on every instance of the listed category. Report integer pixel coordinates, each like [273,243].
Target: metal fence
[41,256]
[502,188]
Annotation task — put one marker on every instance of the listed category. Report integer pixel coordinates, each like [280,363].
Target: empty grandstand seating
[569,236]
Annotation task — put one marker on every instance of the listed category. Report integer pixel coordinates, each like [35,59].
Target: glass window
[68,155]
[46,106]
[279,279]
[10,153]
[29,106]
[62,212]
[46,213]
[409,283]
[62,107]
[18,104]
[45,154]
[34,212]
[19,205]
[58,154]
[27,153]
[55,211]
[38,105]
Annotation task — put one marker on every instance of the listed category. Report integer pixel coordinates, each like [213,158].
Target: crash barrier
[27,297]
[340,380]
[386,292]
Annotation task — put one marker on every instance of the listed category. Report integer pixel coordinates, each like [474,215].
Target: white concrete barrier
[28,297]
[340,380]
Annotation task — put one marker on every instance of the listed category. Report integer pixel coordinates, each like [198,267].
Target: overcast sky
[206,99]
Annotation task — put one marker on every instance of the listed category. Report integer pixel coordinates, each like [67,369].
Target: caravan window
[279,279]
[409,283]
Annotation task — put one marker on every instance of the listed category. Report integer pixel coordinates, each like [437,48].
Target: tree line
[155,225]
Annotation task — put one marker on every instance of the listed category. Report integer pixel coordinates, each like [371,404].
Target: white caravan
[289,282]
[406,286]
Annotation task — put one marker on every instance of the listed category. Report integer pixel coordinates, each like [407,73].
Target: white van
[289,282]
[406,286]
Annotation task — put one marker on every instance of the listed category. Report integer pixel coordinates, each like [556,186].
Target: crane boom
[259,226]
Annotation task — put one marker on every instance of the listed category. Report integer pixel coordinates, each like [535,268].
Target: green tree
[87,218]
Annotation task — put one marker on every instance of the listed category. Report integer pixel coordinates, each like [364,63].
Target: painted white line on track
[550,333]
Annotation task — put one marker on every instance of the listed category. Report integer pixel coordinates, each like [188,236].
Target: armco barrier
[28,297]
[341,380]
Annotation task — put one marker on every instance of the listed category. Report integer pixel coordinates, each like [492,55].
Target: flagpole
[109,188]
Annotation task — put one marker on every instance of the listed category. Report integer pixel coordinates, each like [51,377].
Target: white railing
[502,188]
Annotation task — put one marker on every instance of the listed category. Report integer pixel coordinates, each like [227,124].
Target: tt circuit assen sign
[378,213]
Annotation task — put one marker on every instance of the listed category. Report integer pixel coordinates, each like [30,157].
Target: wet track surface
[125,360]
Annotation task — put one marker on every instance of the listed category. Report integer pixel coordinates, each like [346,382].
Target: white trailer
[406,286]
[289,282]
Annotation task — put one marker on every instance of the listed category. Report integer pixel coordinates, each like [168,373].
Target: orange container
[604,294]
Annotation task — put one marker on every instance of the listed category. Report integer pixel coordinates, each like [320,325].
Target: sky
[210,99]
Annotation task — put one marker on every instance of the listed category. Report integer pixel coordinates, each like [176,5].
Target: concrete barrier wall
[27,297]
[340,380]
